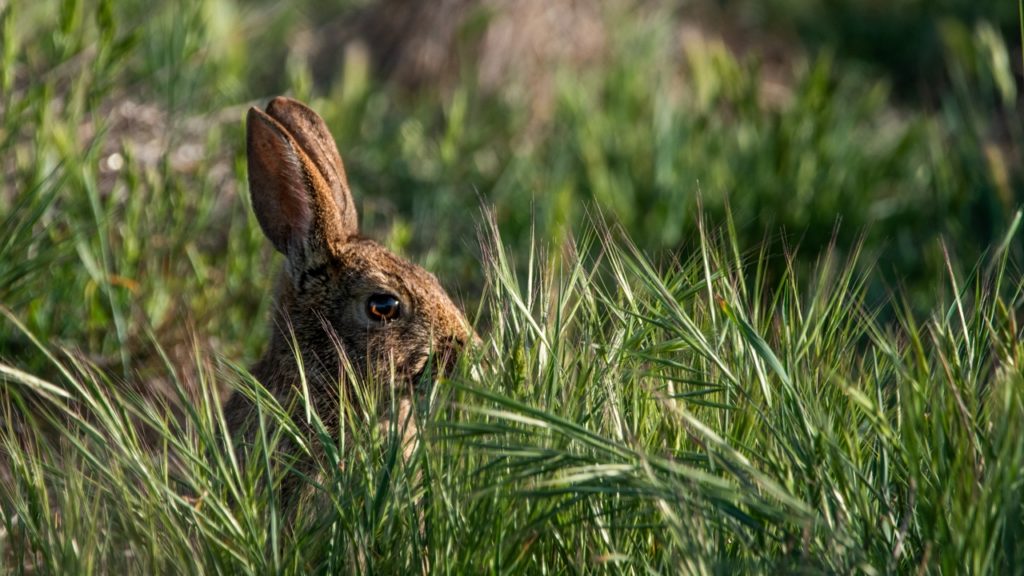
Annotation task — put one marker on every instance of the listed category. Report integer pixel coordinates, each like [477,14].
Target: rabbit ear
[296,179]
[313,137]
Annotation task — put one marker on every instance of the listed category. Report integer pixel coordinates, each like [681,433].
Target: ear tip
[255,116]
[281,105]
[259,123]
[281,101]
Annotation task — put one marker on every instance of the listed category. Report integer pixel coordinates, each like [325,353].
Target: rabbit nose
[470,339]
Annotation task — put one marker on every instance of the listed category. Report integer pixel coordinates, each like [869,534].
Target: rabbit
[347,302]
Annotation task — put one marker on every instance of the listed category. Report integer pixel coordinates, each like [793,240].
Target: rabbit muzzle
[438,363]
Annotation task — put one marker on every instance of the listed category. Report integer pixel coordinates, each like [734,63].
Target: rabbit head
[346,301]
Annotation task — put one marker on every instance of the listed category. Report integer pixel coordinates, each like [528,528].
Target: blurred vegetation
[813,343]
[163,241]
[907,40]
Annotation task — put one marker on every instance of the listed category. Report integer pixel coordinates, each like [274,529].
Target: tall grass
[624,416]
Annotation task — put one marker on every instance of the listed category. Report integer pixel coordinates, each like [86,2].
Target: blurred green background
[892,126]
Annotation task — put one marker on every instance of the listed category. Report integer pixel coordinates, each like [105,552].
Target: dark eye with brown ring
[383,307]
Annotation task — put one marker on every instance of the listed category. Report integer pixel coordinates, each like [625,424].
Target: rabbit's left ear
[299,190]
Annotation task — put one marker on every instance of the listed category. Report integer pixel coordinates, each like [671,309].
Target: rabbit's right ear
[296,180]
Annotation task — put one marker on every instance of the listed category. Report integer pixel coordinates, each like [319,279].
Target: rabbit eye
[383,307]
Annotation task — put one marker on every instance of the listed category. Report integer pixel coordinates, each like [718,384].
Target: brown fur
[302,200]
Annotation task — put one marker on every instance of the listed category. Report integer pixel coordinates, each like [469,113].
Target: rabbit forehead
[377,266]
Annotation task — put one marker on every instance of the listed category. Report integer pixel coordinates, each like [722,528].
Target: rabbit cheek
[392,358]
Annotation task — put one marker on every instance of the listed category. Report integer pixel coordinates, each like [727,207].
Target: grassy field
[748,276]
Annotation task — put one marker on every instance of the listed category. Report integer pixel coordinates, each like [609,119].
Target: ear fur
[296,179]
